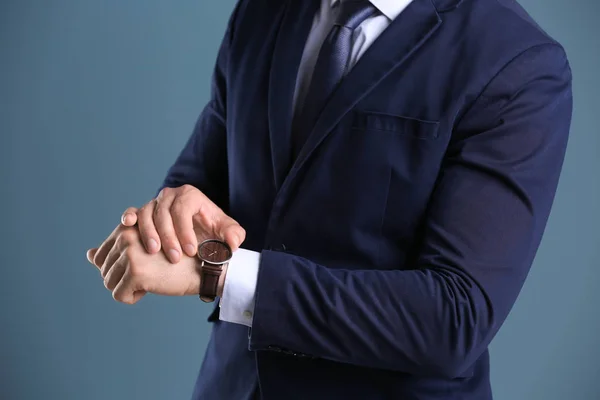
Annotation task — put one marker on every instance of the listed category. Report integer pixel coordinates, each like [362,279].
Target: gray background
[96,100]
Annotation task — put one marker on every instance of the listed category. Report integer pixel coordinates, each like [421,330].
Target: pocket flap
[371,120]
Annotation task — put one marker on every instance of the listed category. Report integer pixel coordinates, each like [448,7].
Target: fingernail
[189,249]
[174,255]
[152,245]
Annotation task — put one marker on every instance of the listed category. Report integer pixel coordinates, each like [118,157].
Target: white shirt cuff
[237,302]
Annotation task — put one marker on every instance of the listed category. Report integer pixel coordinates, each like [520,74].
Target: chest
[372,162]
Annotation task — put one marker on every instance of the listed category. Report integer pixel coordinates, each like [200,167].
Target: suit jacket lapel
[289,46]
[405,35]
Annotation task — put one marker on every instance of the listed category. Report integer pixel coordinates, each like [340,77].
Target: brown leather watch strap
[209,281]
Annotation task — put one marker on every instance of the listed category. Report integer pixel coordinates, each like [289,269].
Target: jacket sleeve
[482,229]
[203,161]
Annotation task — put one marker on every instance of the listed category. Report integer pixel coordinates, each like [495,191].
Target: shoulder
[250,14]
[489,39]
[503,24]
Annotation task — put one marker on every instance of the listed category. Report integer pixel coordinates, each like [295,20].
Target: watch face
[214,251]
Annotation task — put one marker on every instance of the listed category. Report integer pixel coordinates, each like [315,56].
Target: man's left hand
[129,272]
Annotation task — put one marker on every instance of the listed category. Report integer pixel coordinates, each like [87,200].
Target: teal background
[96,100]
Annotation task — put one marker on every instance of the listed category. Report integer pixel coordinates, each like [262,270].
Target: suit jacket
[395,245]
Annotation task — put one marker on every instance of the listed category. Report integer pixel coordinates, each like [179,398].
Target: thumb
[137,296]
[129,217]
[126,291]
[233,234]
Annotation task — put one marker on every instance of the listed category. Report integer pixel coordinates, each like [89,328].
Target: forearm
[203,161]
[424,322]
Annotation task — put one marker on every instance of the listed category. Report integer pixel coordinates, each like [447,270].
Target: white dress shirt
[237,302]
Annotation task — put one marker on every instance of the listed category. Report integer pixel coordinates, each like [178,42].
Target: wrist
[195,276]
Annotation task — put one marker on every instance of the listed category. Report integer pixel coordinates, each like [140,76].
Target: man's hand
[129,272]
[178,219]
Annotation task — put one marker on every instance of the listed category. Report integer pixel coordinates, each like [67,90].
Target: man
[387,167]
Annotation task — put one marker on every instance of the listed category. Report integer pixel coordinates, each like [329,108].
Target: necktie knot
[352,13]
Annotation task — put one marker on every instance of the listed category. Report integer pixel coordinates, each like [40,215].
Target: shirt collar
[390,8]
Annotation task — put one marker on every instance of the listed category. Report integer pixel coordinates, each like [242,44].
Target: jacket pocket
[413,127]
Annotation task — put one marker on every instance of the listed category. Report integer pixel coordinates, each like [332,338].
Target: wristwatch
[213,255]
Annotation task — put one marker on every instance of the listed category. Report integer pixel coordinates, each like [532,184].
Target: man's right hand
[178,218]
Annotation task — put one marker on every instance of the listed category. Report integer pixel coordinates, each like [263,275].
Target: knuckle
[187,188]
[165,192]
[144,227]
[146,232]
[142,210]
[171,242]
[97,261]
[160,211]
[147,208]
[118,296]
[130,235]
[130,254]
[178,208]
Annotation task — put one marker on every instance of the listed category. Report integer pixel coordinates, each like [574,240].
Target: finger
[231,232]
[112,256]
[129,217]
[126,290]
[90,254]
[148,233]
[204,228]
[103,250]
[137,295]
[183,210]
[114,275]
[166,231]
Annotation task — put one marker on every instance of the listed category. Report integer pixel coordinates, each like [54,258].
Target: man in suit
[387,168]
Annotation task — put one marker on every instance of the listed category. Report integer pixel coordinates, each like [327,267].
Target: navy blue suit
[395,244]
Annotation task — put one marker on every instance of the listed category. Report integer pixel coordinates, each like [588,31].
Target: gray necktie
[330,68]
